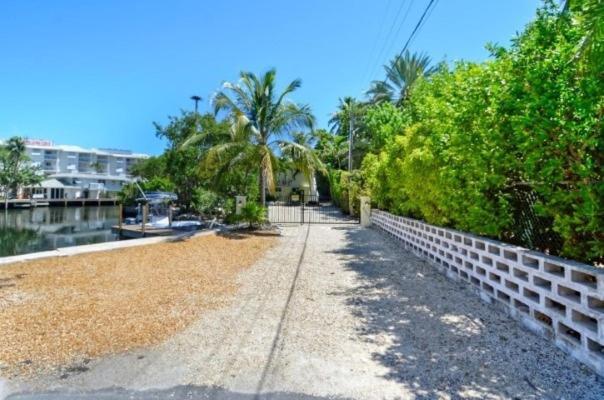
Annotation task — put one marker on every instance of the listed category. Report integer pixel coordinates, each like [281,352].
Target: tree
[180,163]
[332,149]
[15,171]
[589,15]
[260,119]
[298,159]
[401,75]
[510,148]
[149,168]
[350,110]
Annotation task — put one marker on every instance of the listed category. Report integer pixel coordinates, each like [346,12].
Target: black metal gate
[307,209]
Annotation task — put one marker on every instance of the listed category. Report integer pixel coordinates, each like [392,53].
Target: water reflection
[38,229]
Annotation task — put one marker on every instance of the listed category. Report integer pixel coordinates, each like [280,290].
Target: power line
[417,27]
[427,12]
[400,27]
[377,38]
[387,38]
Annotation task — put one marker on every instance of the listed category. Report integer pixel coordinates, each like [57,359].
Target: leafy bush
[475,141]
[346,189]
[253,214]
[207,202]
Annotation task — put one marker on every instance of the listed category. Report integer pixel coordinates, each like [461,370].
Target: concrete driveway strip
[336,312]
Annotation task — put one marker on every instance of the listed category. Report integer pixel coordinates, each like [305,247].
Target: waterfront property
[262,315]
[73,172]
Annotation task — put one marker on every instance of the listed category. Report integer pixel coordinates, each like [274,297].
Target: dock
[136,231]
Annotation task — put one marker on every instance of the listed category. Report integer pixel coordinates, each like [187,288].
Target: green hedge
[346,189]
[482,147]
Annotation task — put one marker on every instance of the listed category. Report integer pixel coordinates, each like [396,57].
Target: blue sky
[98,73]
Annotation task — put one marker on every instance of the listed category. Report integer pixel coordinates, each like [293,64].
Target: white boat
[165,223]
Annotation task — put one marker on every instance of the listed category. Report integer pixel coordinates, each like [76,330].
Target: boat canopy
[158,197]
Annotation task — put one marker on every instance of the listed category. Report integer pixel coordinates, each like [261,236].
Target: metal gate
[307,209]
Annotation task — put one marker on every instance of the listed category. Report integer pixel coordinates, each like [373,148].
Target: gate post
[365,210]
[239,204]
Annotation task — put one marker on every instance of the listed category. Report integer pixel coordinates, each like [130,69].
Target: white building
[73,172]
[288,182]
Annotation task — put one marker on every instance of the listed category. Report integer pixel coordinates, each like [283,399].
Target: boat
[160,211]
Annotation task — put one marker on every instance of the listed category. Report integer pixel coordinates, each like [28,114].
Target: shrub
[253,214]
[510,148]
[207,202]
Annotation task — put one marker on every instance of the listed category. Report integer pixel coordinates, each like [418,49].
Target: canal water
[47,228]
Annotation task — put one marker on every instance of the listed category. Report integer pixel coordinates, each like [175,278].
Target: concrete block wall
[556,298]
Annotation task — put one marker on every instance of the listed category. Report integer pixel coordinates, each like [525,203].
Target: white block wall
[556,298]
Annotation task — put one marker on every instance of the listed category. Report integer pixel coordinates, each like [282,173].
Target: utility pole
[350,130]
[196,99]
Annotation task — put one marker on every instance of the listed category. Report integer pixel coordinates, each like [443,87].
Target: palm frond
[401,73]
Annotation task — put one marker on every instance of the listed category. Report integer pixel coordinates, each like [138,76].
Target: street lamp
[196,99]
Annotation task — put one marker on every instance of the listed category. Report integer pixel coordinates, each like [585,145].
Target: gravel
[60,310]
[339,311]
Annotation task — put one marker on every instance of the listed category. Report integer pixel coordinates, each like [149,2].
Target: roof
[51,183]
[47,144]
[78,149]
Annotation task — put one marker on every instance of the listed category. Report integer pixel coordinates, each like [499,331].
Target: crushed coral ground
[58,310]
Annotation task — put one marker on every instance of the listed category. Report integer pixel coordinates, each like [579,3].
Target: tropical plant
[260,120]
[297,160]
[382,122]
[350,115]
[180,163]
[401,74]
[252,213]
[207,202]
[589,15]
[511,148]
[332,149]
[15,170]
[148,168]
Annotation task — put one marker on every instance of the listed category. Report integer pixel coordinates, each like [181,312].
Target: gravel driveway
[337,312]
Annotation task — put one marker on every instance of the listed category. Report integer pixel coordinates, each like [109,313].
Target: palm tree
[349,115]
[332,148]
[14,170]
[297,160]
[260,118]
[401,74]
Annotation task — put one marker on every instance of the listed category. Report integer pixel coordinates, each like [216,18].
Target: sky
[99,73]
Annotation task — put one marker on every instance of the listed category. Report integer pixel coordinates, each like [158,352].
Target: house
[295,182]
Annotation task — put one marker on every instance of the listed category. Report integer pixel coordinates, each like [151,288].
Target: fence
[555,298]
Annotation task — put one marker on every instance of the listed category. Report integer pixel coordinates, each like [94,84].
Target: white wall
[559,299]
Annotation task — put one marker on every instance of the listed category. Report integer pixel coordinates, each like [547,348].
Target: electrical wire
[387,38]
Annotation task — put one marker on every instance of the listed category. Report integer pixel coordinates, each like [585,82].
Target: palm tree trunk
[262,188]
